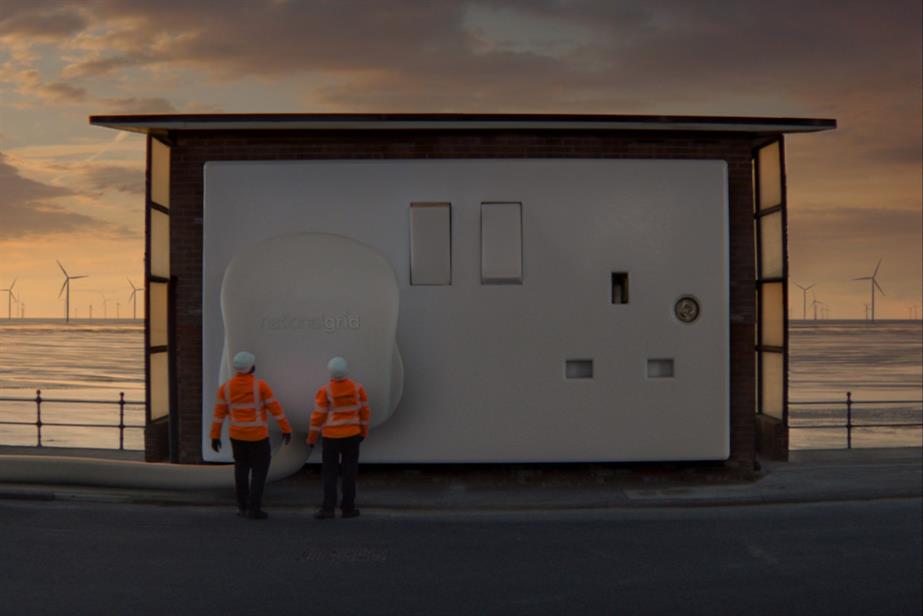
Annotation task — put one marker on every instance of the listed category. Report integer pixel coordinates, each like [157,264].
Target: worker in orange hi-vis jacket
[245,400]
[341,415]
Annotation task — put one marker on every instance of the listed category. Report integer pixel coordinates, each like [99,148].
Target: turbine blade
[876,268]
[131,295]
[61,266]
[863,278]
[812,286]
[875,282]
[15,299]
[798,285]
[14,283]
[78,277]
[62,287]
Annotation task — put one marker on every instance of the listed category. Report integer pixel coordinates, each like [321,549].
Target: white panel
[501,243]
[430,243]
[483,364]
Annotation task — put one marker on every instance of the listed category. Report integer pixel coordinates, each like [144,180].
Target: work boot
[323,514]
[351,513]
[257,514]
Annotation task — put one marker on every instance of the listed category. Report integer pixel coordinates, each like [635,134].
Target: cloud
[26,210]
[855,225]
[136,105]
[114,177]
[37,20]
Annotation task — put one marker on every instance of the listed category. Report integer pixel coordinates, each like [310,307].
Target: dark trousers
[250,456]
[341,456]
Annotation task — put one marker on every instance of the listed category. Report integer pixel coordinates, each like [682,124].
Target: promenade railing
[849,414]
[39,423]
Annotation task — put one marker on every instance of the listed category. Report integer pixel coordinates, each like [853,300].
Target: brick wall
[191,149]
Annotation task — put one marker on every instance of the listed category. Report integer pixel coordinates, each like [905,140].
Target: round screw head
[687,309]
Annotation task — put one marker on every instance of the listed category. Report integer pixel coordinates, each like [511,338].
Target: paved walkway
[810,476]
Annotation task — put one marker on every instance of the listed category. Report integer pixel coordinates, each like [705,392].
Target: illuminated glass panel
[772,378]
[160,173]
[160,244]
[160,385]
[158,316]
[772,313]
[771,245]
[770,176]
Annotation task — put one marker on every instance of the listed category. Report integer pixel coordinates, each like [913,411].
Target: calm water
[95,360]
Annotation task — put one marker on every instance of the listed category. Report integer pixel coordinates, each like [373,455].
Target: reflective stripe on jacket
[341,409]
[245,400]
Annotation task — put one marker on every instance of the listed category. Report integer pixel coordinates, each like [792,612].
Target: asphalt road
[833,558]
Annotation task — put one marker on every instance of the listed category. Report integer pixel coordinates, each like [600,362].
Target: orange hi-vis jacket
[246,399]
[341,409]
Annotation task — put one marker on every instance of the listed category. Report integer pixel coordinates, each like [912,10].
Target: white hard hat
[338,368]
[244,361]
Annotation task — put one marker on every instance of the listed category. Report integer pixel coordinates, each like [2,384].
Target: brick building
[678,223]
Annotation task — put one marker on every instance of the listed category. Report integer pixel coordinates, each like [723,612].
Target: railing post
[848,420]
[121,420]
[38,416]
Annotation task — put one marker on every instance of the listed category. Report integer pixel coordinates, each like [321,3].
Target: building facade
[572,288]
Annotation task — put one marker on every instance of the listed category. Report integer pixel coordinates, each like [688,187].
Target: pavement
[810,476]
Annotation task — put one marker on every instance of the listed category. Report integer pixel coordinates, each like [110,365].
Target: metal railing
[39,423]
[850,406]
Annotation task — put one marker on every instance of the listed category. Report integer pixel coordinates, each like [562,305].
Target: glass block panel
[770,176]
[158,316]
[772,313]
[772,378]
[771,245]
[160,385]
[430,244]
[160,244]
[160,173]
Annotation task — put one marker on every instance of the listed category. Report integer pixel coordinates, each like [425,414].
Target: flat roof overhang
[148,124]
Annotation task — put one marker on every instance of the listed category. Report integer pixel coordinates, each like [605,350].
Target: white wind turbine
[804,299]
[874,284]
[67,286]
[133,298]
[9,299]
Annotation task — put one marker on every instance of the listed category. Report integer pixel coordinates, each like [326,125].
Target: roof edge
[456,121]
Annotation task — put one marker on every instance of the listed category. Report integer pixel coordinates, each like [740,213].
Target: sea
[83,367]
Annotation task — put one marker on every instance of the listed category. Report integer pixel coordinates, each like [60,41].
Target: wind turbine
[67,286]
[815,304]
[134,299]
[9,299]
[873,284]
[106,301]
[804,299]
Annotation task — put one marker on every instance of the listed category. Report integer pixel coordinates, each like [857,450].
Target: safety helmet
[244,361]
[338,368]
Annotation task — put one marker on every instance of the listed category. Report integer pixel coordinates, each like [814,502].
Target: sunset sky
[74,192]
